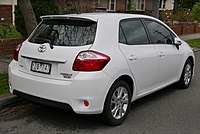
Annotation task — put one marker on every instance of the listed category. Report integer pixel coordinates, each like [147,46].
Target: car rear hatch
[52,48]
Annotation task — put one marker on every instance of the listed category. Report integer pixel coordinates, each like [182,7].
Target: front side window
[133,32]
[61,32]
[158,33]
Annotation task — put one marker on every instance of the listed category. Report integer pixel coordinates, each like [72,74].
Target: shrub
[183,15]
[8,31]
[196,11]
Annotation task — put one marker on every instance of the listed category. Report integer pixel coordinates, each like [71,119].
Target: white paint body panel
[148,72]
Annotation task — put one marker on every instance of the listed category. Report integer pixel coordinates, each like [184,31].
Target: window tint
[158,33]
[134,32]
[60,32]
[122,38]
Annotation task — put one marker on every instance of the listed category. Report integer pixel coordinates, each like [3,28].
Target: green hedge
[8,31]
[196,11]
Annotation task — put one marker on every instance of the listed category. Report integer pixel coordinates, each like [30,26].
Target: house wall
[104,3]
[148,5]
[168,5]
[85,5]
[8,2]
[120,5]
[6,13]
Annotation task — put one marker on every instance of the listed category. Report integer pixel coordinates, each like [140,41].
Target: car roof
[97,16]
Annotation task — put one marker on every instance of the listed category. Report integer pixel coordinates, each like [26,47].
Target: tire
[118,100]
[186,75]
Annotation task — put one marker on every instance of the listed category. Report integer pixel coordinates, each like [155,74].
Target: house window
[112,5]
[163,4]
[141,5]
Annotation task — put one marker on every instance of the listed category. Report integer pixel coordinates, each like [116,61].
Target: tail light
[16,52]
[90,61]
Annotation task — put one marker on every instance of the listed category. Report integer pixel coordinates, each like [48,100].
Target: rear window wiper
[43,40]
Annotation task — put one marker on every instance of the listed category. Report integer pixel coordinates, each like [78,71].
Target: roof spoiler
[64,18]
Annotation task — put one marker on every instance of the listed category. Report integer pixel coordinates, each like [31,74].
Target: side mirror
[177,42]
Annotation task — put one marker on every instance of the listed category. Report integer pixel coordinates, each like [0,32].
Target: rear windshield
[63,32]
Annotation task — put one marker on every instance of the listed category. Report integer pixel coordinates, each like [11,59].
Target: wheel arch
[191,59]
[129,81]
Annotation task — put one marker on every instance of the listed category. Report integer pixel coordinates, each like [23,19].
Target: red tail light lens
[90,61]
[16,52]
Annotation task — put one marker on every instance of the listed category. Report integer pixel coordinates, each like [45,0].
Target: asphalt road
[168,111]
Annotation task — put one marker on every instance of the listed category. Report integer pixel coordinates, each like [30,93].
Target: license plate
[41,67]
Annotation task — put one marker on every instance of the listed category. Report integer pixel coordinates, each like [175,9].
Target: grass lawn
[4,84]
[194,42]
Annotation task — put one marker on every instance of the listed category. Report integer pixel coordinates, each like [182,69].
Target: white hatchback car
[99,62]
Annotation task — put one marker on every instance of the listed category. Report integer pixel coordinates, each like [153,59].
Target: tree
[155,8]
[176,5]
[28,14]
[187,3]
[44,7]
[196,11]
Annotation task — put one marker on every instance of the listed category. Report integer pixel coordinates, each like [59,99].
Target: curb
[195,49]
[9,100]
[5,61]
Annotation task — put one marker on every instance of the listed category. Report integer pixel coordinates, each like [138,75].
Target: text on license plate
[40,67]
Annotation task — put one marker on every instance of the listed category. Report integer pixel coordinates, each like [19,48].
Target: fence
[184,28]
[7,46]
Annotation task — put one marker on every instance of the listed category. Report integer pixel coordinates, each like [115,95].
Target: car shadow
[154,97]
[68,120]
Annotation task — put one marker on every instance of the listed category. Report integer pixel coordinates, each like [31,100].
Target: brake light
[16,52]
[90,61]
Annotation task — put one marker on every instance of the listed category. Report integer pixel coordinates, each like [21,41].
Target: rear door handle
[161,54]
[132,58]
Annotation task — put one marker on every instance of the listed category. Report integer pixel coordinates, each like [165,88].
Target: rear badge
[65,75]
[42,48]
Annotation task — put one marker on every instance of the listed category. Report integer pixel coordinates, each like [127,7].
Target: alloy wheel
[119,102]
[188,74]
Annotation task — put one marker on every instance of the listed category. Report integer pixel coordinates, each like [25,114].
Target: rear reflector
[86,103]
[90,61]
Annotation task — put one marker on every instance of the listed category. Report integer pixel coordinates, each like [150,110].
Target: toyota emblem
[42,48]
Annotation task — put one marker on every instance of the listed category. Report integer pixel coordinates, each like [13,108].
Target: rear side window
[62,32]
[133,32]
[158,33]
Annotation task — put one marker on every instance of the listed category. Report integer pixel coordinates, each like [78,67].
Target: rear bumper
[90,86]
[42,101]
